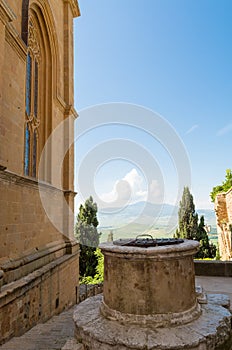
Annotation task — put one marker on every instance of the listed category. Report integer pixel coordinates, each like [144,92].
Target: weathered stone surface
[72,344]
[201,295]
[139,283]
[223,209]
[219,299]
[156,320]
[38,261]
[209,332]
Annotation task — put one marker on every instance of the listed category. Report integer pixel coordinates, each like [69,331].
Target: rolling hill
[144,217]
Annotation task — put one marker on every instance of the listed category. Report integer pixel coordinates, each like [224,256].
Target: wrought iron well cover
[145,241]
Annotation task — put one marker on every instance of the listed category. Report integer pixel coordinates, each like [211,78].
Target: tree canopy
[188,219]
[224,187]
[206,249]
[88,237]
[190,229]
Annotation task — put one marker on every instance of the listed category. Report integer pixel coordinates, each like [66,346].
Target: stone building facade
[38,254]
[223,209]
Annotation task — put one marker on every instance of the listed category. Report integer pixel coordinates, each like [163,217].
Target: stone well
[149,302]
[150,285]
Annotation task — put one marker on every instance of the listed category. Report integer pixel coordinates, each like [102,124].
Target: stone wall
[223,209]
[213,268]
[89,290]
[38,296]
[39,257]
[25,229]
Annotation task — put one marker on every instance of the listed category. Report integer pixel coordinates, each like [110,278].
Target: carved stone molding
[6,14]
[33,40]
[15,41]
[33,122]
[27,181]
[66,109]
[74,6]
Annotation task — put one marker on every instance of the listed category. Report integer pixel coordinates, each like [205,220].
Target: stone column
[71,10]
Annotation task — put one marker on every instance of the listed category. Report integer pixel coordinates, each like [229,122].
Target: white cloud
[131,189]
[154,192]
[194,127]
[121,193]
[225,130]
[136,183]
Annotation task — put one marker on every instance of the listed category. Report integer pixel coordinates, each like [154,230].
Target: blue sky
[173,57]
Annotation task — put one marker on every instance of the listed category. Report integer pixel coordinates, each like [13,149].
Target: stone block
[212,330]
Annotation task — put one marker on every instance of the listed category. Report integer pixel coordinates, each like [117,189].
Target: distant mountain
[146,214]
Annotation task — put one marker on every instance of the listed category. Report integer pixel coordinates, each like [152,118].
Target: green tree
[99,276]
[189,228]
[224,187]
[88,237]
[206,249]
[188,219]
[218,256]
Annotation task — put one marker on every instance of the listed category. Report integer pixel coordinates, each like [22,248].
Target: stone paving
[218,285]
[52,335]
[58,332]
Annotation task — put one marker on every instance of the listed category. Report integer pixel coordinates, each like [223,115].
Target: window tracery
[32,120]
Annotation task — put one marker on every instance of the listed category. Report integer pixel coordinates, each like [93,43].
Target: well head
[145,241]
[154,283]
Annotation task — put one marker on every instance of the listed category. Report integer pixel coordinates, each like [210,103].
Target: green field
[134,229]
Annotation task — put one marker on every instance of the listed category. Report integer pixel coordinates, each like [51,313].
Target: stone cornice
[74,6]
[20,180]
[15,41]
[6,14]
[70,193]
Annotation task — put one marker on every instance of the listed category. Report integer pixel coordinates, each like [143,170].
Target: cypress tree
[206,250]
[189,228]
[188,219]
[88,237]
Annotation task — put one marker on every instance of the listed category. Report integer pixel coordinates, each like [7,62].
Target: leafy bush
[224,187]
[99,276]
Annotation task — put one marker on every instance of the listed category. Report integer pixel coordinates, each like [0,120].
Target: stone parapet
[213,268]
[89,290]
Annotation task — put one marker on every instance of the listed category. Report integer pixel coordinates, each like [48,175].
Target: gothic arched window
[31,109]
[38,93]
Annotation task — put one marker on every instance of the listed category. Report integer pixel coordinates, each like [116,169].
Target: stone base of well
[211,331]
